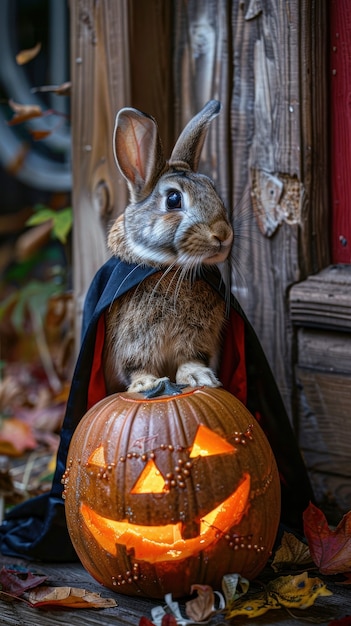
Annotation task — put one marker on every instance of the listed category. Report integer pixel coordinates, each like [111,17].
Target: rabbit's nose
[223,233]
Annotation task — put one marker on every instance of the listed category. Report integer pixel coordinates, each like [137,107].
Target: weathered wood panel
[265,132]
[151,28]
[201,71]
[324,299]
[325,437]
[100,86]
[321,310]
[274,126]
[324,350]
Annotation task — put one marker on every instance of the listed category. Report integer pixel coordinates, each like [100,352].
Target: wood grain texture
[324,435]
[150,70]
[323,299]
[326,350]
[201,62]
[100,86]
[265,118]
[324,426]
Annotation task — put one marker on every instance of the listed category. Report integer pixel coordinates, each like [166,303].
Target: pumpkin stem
[164,387]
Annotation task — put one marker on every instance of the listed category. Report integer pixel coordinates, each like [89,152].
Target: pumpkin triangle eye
[98,457]
[208,443]
[150,480]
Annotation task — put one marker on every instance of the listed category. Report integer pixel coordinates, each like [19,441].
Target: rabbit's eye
[174,200]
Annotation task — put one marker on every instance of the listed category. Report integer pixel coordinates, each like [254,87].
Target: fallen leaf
[38,135]
[23,112]
[17,162]
[15,582]
[59,90]
[330,549]
[253,606]
[69,597]
[15,437]
[25,56]
[291,552]
[169,620]
[347,580]
[298,591]
[344,621]
[144,621]
[202,606]
[234,586]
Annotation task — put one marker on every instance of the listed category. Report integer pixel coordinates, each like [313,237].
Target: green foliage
[32,297]
[61,220]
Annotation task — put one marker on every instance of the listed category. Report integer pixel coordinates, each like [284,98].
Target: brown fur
[153,330]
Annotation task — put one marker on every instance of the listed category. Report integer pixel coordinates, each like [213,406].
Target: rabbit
[170,325]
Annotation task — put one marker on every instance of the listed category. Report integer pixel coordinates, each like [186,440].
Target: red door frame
[340,81]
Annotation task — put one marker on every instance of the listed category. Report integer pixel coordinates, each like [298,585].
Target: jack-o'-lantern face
[166,541]
[157,484]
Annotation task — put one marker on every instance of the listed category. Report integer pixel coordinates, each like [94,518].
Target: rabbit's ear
[138,151]
[189,144]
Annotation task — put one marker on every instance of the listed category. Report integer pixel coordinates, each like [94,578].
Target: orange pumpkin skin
[166,492]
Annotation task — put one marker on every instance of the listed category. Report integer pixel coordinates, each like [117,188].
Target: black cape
[36,529]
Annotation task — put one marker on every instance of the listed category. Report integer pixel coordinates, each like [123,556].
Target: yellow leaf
[25,56]
[292,551]
[257,605]
[297,591]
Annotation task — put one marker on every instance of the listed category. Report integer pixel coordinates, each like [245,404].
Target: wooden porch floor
[130,610]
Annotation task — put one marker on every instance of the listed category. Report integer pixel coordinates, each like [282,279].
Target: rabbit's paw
[195,374]
[144,382]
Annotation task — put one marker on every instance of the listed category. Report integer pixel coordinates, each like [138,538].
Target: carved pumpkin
[162,493]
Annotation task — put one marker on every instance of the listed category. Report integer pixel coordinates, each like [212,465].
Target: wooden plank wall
[264,61]
[100,86]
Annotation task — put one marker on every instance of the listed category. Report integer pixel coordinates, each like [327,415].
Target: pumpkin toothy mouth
[165,543]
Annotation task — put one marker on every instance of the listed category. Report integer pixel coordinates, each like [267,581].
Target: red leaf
[344,621]
[330,549]
[144,621]
[16,582]
[15,437]
[169,620]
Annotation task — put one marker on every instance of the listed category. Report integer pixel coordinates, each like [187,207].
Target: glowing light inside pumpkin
[162,543]
[208,443]
[150,480]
